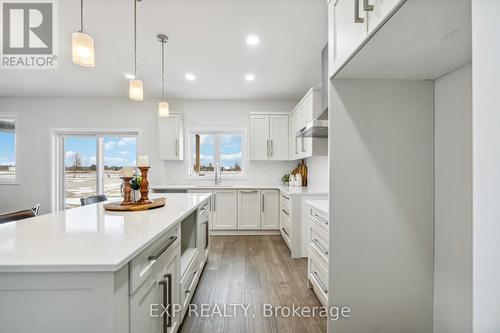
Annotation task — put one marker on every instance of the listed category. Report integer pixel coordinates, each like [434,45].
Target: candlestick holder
[144,186]
[127,192]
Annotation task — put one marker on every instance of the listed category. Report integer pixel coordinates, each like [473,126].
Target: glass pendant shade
[164,109]
[136,92]
[83,49]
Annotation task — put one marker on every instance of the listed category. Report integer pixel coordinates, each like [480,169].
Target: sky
[230,149]
[7,148]
[118,151]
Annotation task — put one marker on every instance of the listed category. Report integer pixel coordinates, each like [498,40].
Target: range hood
[315,129]
[318,128]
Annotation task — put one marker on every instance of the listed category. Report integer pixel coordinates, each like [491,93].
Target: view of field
[83,184]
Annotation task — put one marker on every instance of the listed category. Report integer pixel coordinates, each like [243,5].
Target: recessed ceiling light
[129,76]
[253,40]
[190,77]
[250,77]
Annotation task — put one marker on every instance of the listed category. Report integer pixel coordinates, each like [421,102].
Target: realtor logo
[28,34]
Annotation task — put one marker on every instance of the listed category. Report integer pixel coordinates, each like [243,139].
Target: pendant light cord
[163,70]
[81,16]
[135,38]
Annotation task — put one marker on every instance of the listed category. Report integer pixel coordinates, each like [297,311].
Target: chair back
[16,216]
[93,200]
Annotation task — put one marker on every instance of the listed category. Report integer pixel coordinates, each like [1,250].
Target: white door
[148,293]
[269,210]
[379,11]
[225,205]
[349,32]
[248,209]
[259,147]
[169,137]
[278,136]
[169,292]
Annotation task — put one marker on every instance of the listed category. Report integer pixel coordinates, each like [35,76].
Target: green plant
[135,183]
[286,178]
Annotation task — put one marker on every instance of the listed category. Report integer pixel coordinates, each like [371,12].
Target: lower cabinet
[258,210]
[318,242]
[249,204]
[224,212]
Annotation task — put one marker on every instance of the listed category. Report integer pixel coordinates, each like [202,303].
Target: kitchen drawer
[318,276]
[142,266]
[189,282]
[320,218]
[285,234]
[286,201]
[318,243]
[203,211]
[284,219]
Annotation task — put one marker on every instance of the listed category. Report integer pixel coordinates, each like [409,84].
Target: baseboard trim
[244,232]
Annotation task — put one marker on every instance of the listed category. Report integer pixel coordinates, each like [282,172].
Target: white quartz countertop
[89,238]
[292,190]
[321,205]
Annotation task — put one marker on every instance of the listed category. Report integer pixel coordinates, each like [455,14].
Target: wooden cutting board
[116,206]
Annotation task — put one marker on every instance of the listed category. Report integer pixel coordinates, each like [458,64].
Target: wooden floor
[253,270]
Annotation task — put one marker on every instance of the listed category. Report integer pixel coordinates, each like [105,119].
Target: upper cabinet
[308,109]
[170,137]
[350,22]
[269,137]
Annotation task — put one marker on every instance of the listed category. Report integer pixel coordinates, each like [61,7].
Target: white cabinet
[269,210]
[378,10]
[224,213]
[249,206]
[278,137]
[269,137]
[170,292]
[170,135]
[147,294]
[349,24]
[308,109]
[259,132]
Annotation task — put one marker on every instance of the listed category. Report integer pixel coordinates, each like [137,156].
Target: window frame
[16,180]
[57,161]
[218,131]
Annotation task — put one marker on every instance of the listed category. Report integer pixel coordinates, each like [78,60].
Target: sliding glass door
[92,164]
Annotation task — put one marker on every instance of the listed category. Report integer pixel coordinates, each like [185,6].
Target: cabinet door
[349,34]
[248,209]
[269,210]
[169,292]
[224,215]
[278,136]
[379,11]
[210,205]
[259,147]
[148,293]
[296,141]
[170,144]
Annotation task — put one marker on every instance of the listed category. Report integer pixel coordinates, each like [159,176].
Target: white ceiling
[207,38]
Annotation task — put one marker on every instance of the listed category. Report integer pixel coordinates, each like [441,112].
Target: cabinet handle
[285,197]
[286,233]
[206,235]
[367,7]
[176,147]
[267,143]
[167,295]
[171,240]
[191,285]
[272,148]
[286,213]
[263,202]
[320,219]
[357,18]
[318,280]
[249,191]
[319,246]
[214,201]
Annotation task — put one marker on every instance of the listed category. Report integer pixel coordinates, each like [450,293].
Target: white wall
[317,168]
[453,206]
[486,165]
[382,205]
[37,116]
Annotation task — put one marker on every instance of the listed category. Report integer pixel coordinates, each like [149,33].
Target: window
[8,149]
[92,165]
[211,148]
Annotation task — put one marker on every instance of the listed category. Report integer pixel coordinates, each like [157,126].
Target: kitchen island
[90,270]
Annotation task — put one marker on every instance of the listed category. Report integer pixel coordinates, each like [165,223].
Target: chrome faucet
[218,174]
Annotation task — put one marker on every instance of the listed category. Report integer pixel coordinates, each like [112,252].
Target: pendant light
[82,45]
[163,107]
[136,87]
